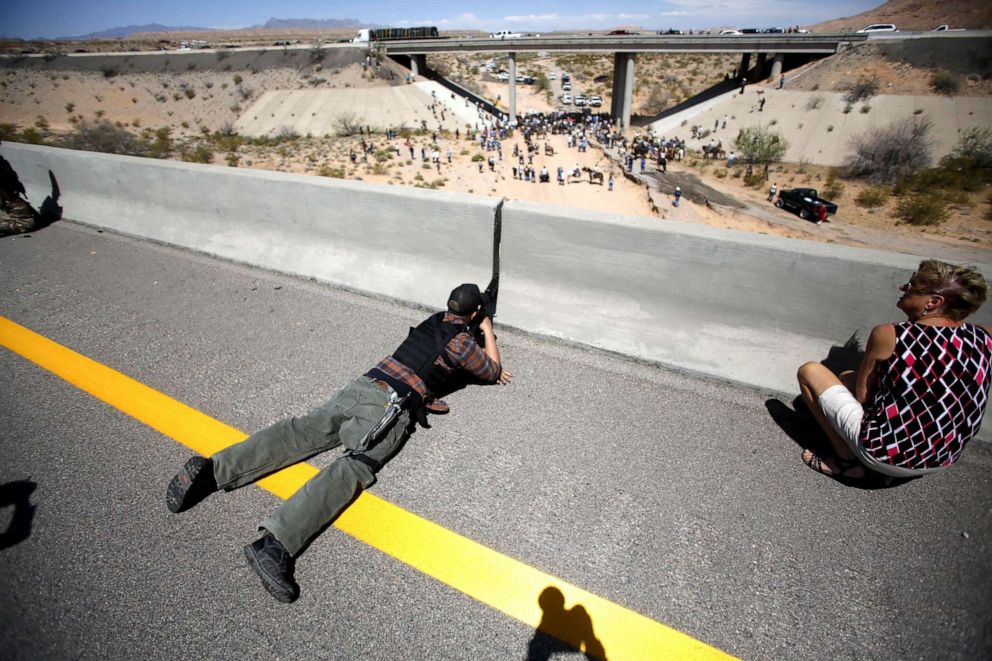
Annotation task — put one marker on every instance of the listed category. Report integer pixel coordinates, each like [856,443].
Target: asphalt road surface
[675,497]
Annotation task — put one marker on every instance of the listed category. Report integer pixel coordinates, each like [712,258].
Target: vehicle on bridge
[805,202]
[879,27]
[946,28]
[368,35]
[506,34]
[730,33]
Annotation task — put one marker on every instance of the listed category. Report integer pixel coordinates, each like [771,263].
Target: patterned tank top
[930,395]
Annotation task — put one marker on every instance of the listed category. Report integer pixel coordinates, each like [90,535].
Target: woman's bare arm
[881,344]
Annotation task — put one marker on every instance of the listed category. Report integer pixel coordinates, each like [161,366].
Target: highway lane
[676,497]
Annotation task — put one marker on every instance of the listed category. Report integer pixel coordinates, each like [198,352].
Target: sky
[28,19]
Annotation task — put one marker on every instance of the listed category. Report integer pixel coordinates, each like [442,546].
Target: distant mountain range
[124,32]
[272,23]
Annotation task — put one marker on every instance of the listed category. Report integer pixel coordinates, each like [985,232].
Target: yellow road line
[494,579]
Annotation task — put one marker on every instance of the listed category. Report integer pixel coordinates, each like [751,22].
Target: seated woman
[920,393]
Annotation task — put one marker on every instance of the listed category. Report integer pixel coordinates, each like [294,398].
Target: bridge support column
[418,64]
[745,65]
[512,97]
[777,65]
[623,88]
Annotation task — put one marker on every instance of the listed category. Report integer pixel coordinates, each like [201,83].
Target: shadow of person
[49,211]
[563,631]
[800,425]
[18,495]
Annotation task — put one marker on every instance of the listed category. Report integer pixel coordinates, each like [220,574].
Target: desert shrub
[8,131]
[198,154]
[872,197]
[657,100]
[865,109]
[754,180]
[975,147]
[884,155]
[814,102]
[761,146]
[383,155]
[238,79]
[333,172]
[161,146]
[347,123]
[862,90]
[102,136]
[69,107]
[478,157]
[32,136]
[190,92]
[922,209]
[109,72]
[833,189]
[232,159]
[942,82]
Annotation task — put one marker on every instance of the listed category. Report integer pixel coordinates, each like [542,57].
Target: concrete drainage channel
[739,307]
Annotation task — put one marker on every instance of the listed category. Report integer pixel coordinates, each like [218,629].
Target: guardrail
[737,306]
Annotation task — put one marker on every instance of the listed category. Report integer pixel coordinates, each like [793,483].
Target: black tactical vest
[421,348]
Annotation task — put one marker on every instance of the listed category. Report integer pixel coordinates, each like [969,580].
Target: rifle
[492,291]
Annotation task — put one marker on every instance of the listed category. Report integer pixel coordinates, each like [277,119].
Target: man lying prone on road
[372,417]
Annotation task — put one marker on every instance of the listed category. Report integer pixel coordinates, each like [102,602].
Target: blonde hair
[962,287]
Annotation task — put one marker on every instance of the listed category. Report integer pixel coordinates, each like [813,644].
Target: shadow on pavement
[563,631]
[800,425]
[18,495]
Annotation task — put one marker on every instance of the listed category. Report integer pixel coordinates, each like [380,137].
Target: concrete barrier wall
[396,242]
[734,305]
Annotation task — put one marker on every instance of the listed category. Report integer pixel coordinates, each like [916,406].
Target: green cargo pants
[344,420]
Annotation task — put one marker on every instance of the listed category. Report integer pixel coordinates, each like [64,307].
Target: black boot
[274,565]
[191,485]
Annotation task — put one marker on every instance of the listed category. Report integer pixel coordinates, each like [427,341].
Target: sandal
[844,466]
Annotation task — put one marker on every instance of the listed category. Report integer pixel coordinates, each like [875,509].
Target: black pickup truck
[804,201]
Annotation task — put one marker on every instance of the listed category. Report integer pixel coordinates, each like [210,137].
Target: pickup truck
[803,201]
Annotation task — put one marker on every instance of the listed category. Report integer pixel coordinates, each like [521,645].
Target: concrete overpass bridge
[765,46]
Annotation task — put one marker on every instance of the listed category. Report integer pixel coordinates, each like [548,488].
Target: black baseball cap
[465,299]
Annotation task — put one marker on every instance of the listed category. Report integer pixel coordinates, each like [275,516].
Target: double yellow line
[591,623]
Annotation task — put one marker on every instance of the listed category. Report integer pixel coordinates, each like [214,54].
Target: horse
[714,151]
[595,176]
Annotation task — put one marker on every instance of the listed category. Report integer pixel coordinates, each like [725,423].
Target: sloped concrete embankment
[111,64]
[737,306]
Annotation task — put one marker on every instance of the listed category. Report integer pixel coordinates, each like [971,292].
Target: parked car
[566,99]
[580,100]
[595,101]
[566,87]
[804,202]
[565,77]
[552,76]
[879,27]
[601,78]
